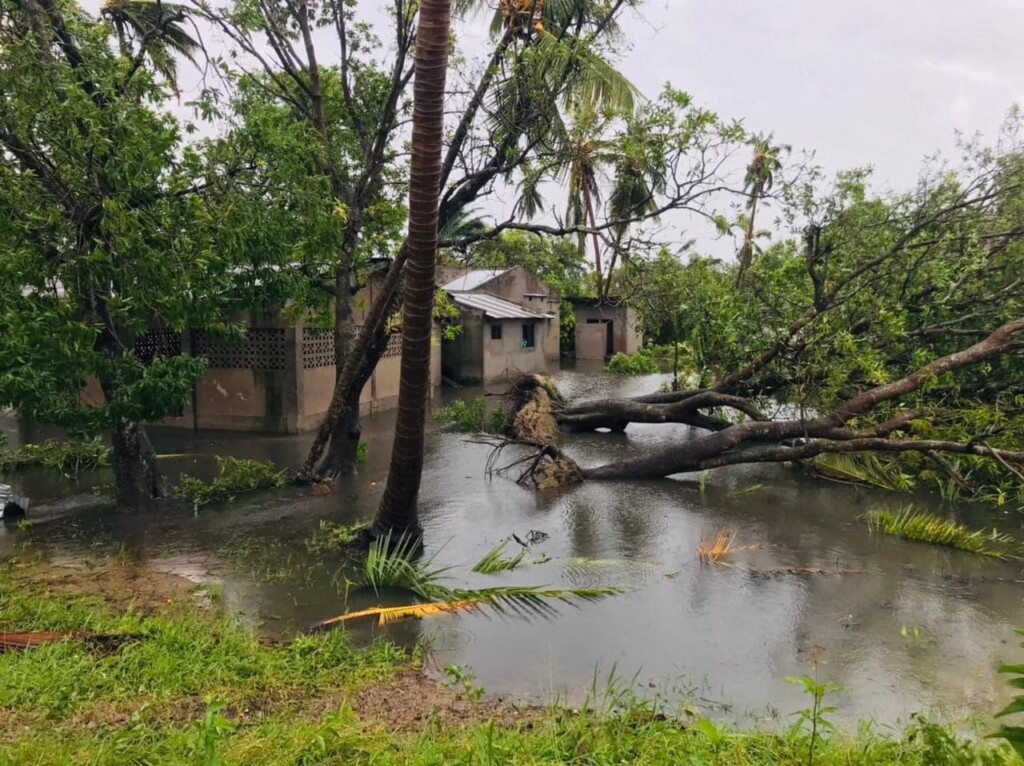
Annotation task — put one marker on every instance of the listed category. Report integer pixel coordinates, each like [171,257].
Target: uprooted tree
[894,327]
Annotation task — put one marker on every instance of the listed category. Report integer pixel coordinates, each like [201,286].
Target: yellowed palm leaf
[388,614]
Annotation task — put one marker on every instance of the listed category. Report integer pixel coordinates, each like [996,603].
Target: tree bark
[398,509]
[137,478]
[760,439]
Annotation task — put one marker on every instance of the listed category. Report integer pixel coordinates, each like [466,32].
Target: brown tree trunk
[760,439]
[398,508]
[358,364]
[137,478]
[346,431]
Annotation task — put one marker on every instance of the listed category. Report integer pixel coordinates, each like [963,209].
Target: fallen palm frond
[523,601]
[929,528]
[13,641]
[863,469]
[494,562]
[387,615]
[20,641]
[714,551]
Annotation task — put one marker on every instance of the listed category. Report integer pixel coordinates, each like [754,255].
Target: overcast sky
[879,82]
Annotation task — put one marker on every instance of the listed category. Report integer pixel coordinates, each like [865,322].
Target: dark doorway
[610,341]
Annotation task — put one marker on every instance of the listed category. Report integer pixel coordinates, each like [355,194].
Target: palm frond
[388,614]
[863,469]
[393,565]
[920,526]
[494,561]
[714,551]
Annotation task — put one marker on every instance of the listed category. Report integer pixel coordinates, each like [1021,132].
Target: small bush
[70,458]
[235,477]
[474,417]
[641,363]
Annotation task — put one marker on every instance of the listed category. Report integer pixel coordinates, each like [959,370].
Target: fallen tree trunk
[757,438]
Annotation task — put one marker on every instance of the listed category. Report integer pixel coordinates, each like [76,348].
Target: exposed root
[531,401]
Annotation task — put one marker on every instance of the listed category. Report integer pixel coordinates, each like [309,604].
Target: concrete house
[279,379]
[509,324]
[605,328]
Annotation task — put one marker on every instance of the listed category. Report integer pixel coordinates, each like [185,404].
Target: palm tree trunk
[747,251]
[398,509]
[589,204]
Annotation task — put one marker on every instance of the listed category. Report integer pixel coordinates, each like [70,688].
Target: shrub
[235,477]
[474,417]
[641,363]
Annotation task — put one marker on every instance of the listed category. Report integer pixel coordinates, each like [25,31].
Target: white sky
[862,82]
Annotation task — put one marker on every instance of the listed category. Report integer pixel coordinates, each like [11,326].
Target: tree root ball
[532,399]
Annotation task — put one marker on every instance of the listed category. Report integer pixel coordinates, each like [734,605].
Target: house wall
[591,339]
[507,356]
[519,286]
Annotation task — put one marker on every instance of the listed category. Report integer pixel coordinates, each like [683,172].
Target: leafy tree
[892,325]
[101,234]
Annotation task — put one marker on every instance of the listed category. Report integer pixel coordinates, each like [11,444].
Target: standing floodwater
[902,627]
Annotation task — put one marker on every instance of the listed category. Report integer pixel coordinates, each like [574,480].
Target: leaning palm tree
[760,177]
[398,509]
[155,29]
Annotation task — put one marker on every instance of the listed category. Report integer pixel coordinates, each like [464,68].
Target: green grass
[193,689]
[911,524]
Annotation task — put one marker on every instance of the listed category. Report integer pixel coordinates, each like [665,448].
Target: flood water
[907,628]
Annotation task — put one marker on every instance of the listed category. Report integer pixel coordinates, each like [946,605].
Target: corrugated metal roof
[495,308]
[472,280]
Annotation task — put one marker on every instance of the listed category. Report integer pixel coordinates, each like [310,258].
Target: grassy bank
[189,687]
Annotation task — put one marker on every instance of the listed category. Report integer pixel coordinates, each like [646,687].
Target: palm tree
[585,153]
[155,27]
[760,178]
[398,509]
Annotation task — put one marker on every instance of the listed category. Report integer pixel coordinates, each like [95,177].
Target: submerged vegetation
[911,524]
[235,476]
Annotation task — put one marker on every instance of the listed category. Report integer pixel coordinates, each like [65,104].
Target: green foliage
[640,363]
[816,717]
[362,452]
[235,476]
[394,563]
[70,458]
[865,468]
[1013,734]
[103,239]
[336,537]
[556,261]
[474,417]
[198,689]
[493,561]
[911,524]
